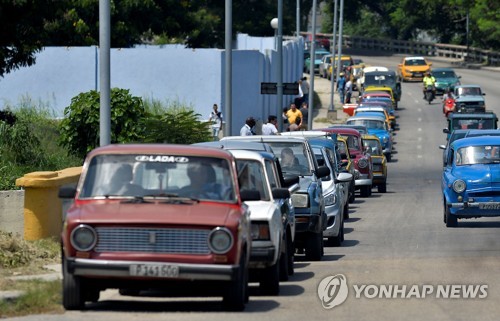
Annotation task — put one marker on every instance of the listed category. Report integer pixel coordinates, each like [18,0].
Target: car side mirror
[281,193]
[322,171]
[290,180]
[249,195]
[446,130]
[443,147]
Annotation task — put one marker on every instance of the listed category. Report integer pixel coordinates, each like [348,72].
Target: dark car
[469,99]
[487,120]
[383,78]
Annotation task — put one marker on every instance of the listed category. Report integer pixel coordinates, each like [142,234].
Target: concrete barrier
[43,210]
[11,211]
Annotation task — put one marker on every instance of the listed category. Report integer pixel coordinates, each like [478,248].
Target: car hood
[469,98]
[261,210]
[417,68]
[479,174]
[378,132]
[104,212]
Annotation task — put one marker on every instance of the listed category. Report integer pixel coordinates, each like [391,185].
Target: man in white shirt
[247,129]
[270,127]
[348,91]
[216,120]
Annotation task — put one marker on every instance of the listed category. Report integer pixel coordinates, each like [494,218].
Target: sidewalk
[322,117]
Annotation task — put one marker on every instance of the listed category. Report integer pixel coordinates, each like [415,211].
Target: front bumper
[379,178]
[262,256]
[363,180]
[475,209]
[121,269]
[307,223]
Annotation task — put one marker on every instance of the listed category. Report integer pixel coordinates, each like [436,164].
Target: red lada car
[157,217]
[362,161]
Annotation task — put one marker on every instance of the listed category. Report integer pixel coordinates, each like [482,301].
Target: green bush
[80,127]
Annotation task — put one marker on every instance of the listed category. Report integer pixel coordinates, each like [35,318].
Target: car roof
[482,132]
[367,116]
[160,149]
[323,142]
[479,140]
[252,154]
[473,115]
[442,69]
[370,108]
[266,138]
[342,131]
[233,144]
[414,58]
[374,68]
[306,133]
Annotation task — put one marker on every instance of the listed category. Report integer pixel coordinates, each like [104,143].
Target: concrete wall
[12,212]
[167,73]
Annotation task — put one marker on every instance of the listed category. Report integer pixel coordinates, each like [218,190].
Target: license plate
[155,270]
[489,206]
[417,74]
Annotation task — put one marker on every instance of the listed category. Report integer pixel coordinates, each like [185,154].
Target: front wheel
[451,220]
[314,246]
[73,294]
[236,295]
[365,191]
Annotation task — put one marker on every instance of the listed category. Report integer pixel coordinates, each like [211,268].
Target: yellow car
[347,164]
[413,68]
[374,148]
[345,61]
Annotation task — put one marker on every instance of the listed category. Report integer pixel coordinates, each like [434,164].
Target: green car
[445,78]
[317,61]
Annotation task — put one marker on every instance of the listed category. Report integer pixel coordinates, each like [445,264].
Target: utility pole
[104,73]
[332,87]
[229,70]
[311,67]
[279,85]
[341,23]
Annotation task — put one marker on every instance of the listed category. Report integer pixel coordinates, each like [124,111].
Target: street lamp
[274,24]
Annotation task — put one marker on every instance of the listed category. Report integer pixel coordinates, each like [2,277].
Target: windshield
[158,175]
[444,74]
[293,158]
[368,123]
[375,80]
[415,62]
[374,146]
[469,91]
[471,155]
[473,124]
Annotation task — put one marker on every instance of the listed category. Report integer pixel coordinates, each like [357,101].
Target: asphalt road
[397,238]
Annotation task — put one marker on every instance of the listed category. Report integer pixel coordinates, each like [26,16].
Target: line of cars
[470,182]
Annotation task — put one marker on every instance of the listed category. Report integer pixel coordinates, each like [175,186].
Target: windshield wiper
[136,200]
[172,198]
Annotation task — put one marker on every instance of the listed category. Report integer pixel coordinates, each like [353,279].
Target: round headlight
[459,186]
[83,238]
[220,240]
[362,163]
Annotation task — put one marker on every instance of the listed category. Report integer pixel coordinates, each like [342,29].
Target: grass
[20,257]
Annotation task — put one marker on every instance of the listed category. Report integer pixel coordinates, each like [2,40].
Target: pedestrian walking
[304,109]
[248,128]
[216,120]
[341,87]
[270,127]
[299,98]
[305,89]
[348,91]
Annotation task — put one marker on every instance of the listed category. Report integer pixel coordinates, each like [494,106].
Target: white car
[361,78]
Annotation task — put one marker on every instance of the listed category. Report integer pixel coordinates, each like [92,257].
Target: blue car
[471,179]
[377,126]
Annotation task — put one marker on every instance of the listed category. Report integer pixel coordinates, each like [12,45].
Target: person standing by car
[428,80]
[293,113]
[348,91]
[305,114]
[216,120]
[248,128]
[270,127]
[305,89]
[341,87]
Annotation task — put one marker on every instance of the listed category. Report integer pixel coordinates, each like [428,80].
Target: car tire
[382,188]
[314,246]
[352,191]
[451,220]
[365,191]
[73,292]
[388,157]
[283,261]
[237,293]
[291,255]
[270,280]
[337,240]
[346,211]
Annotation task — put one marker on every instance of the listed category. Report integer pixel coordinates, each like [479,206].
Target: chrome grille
[152,240]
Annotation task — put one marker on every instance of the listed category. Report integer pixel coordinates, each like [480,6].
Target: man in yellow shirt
[429,80]
[293,113]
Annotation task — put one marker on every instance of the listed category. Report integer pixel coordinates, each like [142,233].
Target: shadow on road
[477,224]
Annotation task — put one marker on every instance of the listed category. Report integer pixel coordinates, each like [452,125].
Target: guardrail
[476,55]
